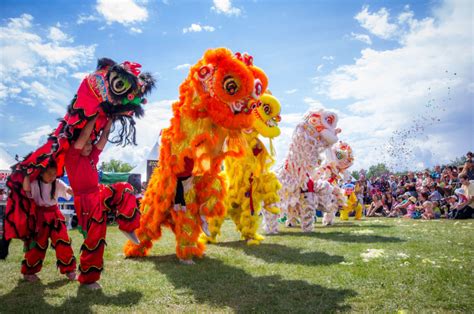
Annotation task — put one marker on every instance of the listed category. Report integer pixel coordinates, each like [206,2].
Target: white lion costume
[311,137]
[334,172]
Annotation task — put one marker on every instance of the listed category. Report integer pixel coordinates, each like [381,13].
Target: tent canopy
[6,160]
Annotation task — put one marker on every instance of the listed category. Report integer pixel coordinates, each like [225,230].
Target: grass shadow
[277,253]
[213,282]
[341,237]
[31,296]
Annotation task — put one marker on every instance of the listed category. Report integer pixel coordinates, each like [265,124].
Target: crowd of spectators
[443,192]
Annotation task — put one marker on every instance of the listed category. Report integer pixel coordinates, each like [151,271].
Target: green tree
[355,174]
[458,161]
[116,166]
[377,170]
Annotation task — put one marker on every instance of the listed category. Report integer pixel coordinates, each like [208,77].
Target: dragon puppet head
[114,91]
[342,155]
[322,124]
[267,116]
[228,85]
[125,87]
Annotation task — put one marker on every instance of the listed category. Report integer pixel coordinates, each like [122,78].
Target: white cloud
[328,58]
[54,100]
[30,61]
[313,103]
[183,66]
[225,7]
[377,23]
[55,54]
[194,28]
[125,12]
[81,19]
[361,37]
[157,117]
[57,35]
[136,30]
[36,137]
[291,91]
[80,75]
[396,96]
[320,67]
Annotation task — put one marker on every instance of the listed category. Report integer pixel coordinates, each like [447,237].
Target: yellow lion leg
[249,224]
[358,214]
[344,214]
[215,225]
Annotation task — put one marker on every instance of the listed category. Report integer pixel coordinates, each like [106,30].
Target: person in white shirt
[50,224]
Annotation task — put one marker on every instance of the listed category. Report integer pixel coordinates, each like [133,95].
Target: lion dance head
[267,116]
[342,155]
[228,85]
[322,124]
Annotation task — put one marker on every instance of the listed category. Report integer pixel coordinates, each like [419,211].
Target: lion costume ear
[103,63]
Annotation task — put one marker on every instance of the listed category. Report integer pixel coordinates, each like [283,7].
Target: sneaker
[71,275]
[132,237]
[31,278]
[205,226]
[92,286]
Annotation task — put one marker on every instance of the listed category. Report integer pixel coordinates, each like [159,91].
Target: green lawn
[424,266]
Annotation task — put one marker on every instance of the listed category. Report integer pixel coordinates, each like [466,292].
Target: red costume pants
[92,210]
[50,225]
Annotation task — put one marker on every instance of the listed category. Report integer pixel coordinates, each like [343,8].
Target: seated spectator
[428,212]
[387,201]
[436,210]
[448,205]
[468,168]
[376,207]
[410,184]
[434,193]
[465,208]
[436,174]
[410,207]
[401,207]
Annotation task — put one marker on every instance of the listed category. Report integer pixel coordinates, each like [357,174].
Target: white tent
[152,160]
[6,160]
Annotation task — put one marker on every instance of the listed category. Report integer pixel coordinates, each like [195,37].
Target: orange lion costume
[186,188]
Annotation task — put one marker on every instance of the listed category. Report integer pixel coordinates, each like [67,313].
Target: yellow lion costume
[250,182]
[214,107]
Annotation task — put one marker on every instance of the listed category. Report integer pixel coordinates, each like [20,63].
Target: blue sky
[377,64]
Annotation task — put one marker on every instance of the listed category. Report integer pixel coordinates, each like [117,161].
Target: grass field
[422,266]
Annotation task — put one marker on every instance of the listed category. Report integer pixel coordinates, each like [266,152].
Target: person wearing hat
[410,207]
[401,208]
[465,208]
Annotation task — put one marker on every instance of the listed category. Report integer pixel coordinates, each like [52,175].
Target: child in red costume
[93,201]
[50,224]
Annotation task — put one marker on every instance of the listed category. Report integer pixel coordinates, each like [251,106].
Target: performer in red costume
[50,224]
[113,90]
[93,201]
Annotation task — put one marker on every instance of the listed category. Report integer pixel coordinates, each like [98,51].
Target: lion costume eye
[230,85]
[119,85]
[205,72]
[313,120]
[330,119]
[257,89]
[267,109]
